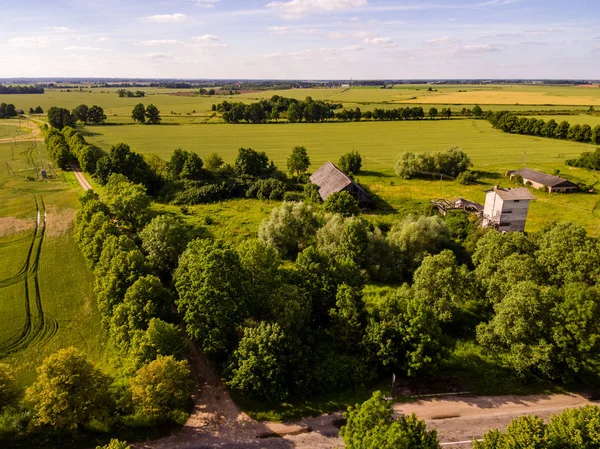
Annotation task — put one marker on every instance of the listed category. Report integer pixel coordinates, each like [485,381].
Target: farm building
[331,179]
[506,209]
[543,181]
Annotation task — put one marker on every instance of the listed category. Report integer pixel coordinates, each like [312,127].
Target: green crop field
[46,296]
[492,152]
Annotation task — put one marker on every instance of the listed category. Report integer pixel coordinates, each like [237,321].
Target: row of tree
[146,114]
[7,110]
[61,117]
[36,110]
[68,146]
[123,93]
[511,123]
[21,89]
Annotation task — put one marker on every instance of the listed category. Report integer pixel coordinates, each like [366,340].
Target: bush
[8,388]
[295,197]
[468,177]
[450,162]
[342,203]
[271,189]
[161,389]
[351,163]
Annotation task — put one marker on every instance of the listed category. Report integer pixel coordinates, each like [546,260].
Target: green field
[46,299]
[492,152]
[582,119]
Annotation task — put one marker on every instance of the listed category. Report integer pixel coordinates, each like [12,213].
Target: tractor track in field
[39,327]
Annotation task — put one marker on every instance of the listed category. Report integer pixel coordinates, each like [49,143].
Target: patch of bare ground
[58,222]
[12,225]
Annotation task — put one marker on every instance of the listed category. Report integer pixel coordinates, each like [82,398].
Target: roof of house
[513,194]
[331,179]
[541,178]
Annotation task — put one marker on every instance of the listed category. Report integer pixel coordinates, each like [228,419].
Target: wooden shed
[331,179]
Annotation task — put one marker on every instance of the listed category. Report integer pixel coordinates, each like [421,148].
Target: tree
[81,113]
[9,392]
[152,115]
[345,237]
[298,162]
[69,392]
[192,167]
[577,428]
[442,284]
[139,113]
[520,331]
[253,163]
[433,112]
[128,202]
[96,115]
[258,367]
[144,300]
[162,389]
[452,161]
[214,162]
[213,298]
[60,117]
[164,239]
[342,203]
[290,228]
[371,425]
[595,137]
[160,338]
[562,130]
[477,111]
[351,163]
[524,432]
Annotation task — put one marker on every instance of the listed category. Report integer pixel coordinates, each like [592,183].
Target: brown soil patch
[58,222]
[12,225]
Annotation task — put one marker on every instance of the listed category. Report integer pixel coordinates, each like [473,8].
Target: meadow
[46,299]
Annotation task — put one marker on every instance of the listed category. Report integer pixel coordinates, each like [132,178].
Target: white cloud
[206,38]
[439,41]
[103,39]
[476,49]
[206,3]
[30,42]
[381,41]
[60,29]
[295,9]
[80,48]
[336,35]
[278,30]
[157,56]
[545,31]
[165,18]
[160,42]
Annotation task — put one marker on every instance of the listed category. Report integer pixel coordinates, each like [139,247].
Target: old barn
[331,179]
[544,181]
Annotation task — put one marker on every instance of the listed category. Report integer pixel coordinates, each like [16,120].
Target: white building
[506,209]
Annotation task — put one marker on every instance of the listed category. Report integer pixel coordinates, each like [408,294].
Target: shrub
[342,203]
[351,163]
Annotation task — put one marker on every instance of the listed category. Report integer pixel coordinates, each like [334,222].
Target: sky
[301,39]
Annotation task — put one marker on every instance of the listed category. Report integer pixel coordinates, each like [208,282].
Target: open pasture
[492,152]
[46,295]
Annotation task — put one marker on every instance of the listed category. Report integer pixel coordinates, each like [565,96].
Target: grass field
[582,119]
[46,299]
[492,152]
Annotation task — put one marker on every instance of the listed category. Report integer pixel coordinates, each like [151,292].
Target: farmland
[46,299]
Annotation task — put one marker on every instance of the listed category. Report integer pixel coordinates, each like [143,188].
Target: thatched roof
[331,179]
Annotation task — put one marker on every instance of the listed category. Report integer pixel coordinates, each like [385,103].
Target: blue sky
[301,39]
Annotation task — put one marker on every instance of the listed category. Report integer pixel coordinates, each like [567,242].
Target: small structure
[543,181]
[19,111]
[444,206]
[331,179]
[506,209]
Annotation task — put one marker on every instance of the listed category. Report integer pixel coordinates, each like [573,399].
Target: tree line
[123,93]
[509,122]
[7,110]
[21,89]
[146,114]
[60,117]
[69,145]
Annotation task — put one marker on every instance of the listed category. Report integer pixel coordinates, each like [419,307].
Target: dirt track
[34,135]
[85,185]
[217,422]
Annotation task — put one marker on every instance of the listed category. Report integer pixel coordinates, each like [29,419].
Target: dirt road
[33,135]
[217,422]
[85,185]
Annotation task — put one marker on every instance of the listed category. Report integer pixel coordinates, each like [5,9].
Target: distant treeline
[21,89]
[129,94]
[7,110]
[509,122]
[313,111]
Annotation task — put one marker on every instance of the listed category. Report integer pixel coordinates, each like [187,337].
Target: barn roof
[513,194]
[331,179]
[542,178]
